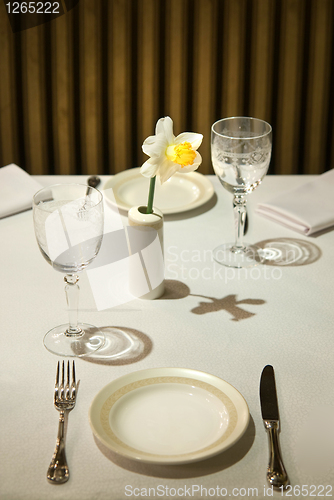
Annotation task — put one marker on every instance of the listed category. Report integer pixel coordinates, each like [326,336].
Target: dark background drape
[79,94]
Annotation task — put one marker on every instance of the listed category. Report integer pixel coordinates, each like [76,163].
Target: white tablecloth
[229,323]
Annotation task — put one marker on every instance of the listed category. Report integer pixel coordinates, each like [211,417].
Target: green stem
[149,209]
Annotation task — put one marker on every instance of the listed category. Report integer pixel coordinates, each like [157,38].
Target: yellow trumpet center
[183,154]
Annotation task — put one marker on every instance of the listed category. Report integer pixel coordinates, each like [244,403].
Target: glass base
[230,256]
[88,342]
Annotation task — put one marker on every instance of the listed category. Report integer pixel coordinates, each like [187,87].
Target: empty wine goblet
[68,222]
[241,152]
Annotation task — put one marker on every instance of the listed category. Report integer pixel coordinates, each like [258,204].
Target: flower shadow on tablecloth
[224,460]
[229,303]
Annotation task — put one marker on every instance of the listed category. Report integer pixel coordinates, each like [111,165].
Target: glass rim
[250,118]
[64,185]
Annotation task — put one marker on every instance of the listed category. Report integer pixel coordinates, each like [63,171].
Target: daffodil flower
[169,154]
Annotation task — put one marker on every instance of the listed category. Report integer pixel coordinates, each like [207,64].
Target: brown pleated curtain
[81,93]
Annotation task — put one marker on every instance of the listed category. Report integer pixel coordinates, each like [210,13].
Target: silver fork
[64,401]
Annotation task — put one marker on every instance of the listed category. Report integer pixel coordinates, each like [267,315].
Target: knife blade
[276,473]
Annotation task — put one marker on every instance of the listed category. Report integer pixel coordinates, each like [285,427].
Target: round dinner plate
[168,415]
[180,193]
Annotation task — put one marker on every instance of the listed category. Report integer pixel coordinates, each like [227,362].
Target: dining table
[226,322]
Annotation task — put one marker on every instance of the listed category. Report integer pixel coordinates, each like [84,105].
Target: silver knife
[276,473]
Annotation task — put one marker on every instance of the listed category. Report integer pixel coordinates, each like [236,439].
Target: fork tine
[73,384]
[56,394]
[62,380]
[73,374]
[67,386]
[57,374]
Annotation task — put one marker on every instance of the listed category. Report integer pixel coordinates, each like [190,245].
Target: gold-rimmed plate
[168,415]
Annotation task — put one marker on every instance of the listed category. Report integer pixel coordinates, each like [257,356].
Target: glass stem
[72,297]
[239,206]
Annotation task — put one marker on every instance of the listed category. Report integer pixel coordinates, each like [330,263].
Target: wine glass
[241,152]
[68,222]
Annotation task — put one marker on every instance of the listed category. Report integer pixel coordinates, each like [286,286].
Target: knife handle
[276,473]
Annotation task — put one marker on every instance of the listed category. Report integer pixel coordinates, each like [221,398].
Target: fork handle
[58,470]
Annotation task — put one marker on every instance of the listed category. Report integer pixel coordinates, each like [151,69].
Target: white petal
[156,160]
[194,139]
[159,128]
[194,166]
[150,139]
[168,126]
[148,169]
[167,169]
[198,159]
[155,145]
[165,126]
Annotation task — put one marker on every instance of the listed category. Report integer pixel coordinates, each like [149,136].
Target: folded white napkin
[16,190]
[307,209]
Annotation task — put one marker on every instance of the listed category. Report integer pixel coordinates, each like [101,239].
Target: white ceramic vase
[146,248]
